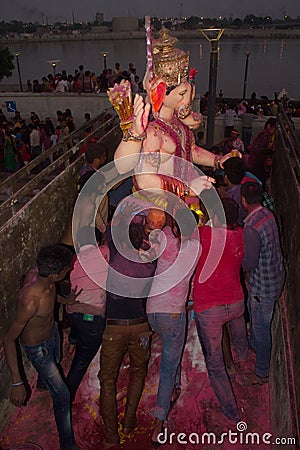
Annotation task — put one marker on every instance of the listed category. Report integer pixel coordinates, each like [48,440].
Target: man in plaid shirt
[263,262]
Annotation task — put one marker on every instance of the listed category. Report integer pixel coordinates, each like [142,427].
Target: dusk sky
[57,10]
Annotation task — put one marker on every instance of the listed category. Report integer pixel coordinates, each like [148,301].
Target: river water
[274,64]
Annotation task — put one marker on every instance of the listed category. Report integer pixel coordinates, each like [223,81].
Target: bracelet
[17,384]
[217,162]
[132,136]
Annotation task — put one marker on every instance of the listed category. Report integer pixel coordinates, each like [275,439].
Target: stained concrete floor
[196,411]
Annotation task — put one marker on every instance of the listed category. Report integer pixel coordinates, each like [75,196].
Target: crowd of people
[21,142]
[86,81]
[109,309]
[132,265]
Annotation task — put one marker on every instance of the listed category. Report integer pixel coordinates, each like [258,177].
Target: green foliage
[6,63]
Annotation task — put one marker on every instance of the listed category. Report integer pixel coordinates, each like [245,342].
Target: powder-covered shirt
[89,273]
[175,266]
[128,284]
[223,286]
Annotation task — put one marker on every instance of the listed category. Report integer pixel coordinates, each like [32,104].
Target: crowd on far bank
[86,81]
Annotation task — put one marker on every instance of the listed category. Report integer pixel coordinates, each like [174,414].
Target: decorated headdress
[169,63]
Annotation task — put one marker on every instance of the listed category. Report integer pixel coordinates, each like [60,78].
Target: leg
[209,327]
[226,346]
[88,337]
[239,337]
[43,358]
[261,313]
[139,353]
[172,331]
[114,346]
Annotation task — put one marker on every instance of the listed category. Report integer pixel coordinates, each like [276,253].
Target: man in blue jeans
[34,324]
[87,317]
[263,262]
[218,298]
[166,307]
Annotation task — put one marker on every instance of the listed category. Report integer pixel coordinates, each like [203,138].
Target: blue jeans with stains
[261,313]
[44,358]
[171,328]
[209,327]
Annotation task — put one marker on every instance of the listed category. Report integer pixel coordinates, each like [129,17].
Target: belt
[126,321]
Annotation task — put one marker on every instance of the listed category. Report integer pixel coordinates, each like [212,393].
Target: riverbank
[248,33]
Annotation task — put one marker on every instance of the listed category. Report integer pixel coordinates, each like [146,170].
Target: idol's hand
[199,184]
[140,115]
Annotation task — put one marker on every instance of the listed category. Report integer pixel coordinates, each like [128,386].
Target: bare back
[35,309]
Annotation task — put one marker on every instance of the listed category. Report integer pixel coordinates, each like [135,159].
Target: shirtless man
[34,325]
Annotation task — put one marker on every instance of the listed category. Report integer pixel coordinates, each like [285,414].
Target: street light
[19,71]
[246,73]
[104,54]
[213,35]
[54,63]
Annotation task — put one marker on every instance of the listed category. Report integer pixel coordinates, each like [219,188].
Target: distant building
[120,24]
[99,18]
[99,29]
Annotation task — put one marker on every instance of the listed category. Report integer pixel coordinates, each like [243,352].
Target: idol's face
[179,98]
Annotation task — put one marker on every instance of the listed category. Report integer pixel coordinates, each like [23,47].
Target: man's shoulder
[29,296]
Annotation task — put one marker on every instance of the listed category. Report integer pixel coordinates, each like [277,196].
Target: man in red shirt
[219,298]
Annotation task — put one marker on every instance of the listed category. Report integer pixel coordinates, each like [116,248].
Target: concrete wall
[285,361]
[47,105]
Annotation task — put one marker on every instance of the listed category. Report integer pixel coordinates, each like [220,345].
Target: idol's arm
[127,153]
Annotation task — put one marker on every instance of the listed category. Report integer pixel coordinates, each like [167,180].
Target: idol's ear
[156,91]
[158,94]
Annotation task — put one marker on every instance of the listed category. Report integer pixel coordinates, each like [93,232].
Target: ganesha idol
[162,150]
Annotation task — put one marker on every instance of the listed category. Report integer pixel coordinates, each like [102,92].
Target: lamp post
[246,74]
[213,35]
[19,71]
[54,63]
[104,54]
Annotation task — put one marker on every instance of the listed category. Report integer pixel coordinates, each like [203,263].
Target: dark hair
[252,192]
[234,168]
[52,259]
[135,235]
[230,210]
[88,235]
[94,150]
[271,121]
[94,179]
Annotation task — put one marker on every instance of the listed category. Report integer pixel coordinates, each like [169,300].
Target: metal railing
[21,187]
